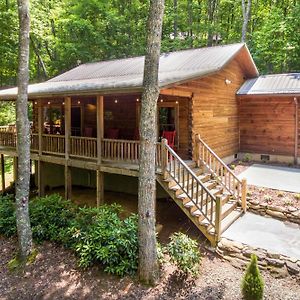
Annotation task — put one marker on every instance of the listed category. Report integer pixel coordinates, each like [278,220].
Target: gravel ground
[54,275]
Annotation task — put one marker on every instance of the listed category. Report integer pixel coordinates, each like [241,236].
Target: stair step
[202,177]
[186,201]
[208,184]
[227,207]
[228,220]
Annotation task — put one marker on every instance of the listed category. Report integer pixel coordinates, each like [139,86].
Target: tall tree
[246,8]
[23,141]
[148,265]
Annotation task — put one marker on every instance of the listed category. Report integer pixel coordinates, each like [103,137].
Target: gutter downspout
[296,130]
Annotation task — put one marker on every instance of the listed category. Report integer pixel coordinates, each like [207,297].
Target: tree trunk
[148,265]
[23,140]
[246,15]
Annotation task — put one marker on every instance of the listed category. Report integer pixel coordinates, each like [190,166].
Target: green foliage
[184,252]
[49,216]
[65,32]
[253,284]
[97,235]
[7,216]
[7,113]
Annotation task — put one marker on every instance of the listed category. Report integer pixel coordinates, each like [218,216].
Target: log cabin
[85,130]
[269,118]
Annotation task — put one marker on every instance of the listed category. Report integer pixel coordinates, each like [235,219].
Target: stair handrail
[239,186]
[167,151]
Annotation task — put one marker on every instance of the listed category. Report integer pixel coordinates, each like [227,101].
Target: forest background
[65,33]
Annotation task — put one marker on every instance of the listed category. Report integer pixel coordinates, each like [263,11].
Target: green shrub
[253,284]
[49,216]
[99,235]
[7,216]
[184,252]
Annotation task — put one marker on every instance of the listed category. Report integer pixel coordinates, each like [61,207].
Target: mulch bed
[55,275]
[267,195]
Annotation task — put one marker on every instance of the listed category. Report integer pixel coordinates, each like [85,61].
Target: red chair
[170,137]
[113,133]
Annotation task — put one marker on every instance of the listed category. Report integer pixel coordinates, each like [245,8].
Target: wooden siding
[267,125]
[214,108]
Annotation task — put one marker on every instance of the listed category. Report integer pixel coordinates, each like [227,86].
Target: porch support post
[40,179]
[68,178]
[40,183]
[100,134]
[3,172]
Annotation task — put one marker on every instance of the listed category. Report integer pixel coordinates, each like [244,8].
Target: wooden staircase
[205,189]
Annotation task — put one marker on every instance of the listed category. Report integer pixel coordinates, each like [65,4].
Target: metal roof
[272,84]
[127,74]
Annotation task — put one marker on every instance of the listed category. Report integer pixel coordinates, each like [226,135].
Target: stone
[275,262]
[276,214]
[273,255]
[230,245]
[260,254]
[292,209]
[296,214]
[276,208]
[238,263]
[292,267]
[278,272]
[254,202]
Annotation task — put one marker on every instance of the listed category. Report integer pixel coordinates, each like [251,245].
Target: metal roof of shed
[121,75]
[272,84]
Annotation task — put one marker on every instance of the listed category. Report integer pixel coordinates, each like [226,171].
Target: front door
[168,119]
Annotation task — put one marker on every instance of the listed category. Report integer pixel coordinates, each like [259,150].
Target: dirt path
[54,275]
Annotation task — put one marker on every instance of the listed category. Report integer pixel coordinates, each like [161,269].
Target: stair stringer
[211,237]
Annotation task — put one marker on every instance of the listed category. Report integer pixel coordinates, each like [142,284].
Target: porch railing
[205,156]
[127,151]
[8,138]
[83,147]
[53,144]
[193,188]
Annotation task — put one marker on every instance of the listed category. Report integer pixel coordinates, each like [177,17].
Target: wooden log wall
[214,108]
[267,125]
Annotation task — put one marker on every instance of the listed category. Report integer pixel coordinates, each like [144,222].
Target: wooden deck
[117,156]
[205,189]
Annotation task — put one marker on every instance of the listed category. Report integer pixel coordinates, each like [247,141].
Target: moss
[17,264]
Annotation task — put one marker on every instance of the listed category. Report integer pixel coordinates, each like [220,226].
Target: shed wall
[267,125]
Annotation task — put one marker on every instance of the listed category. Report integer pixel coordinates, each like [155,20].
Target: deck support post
[244,194]
[40,179]
[68,175]
[3,172]
[100,134]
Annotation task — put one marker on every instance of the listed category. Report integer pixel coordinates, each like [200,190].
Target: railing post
[164,158]
[218,218]
[244,194]
[197,150]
